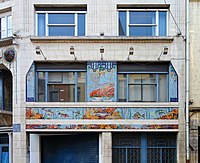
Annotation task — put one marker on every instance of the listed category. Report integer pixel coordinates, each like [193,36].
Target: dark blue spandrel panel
[173,84]
[30,84]
[76,148]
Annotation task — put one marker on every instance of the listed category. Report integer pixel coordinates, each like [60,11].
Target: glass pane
[55,77]
[122,88]
[122,23]
[142,17]
[162,23]
[148,78]
[149,93]
[41,86]
[41,25]
[69,77]
[135,93]
[61,93]
[81,24]
[61,31]
[3,27]
[135,79]
[81,86]
[142,31]
[9,28]
[61,18]
[163,94]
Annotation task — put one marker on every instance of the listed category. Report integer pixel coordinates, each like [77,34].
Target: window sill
[5,112]
[100,39]
[102,104]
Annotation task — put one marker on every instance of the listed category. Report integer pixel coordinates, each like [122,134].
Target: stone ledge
[6,41]
[100,39]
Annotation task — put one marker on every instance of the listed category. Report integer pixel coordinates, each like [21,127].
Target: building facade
[194,81]
[95,81]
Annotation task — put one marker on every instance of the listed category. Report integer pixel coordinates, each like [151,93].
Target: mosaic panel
[30,84]
[101,81]
[102,113]
[173,84]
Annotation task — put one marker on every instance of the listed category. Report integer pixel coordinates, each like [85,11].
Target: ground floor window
[144,147]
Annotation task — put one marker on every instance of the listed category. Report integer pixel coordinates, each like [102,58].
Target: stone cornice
[6,41]
[105,39]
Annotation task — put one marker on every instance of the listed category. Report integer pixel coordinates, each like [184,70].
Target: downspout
[187,58]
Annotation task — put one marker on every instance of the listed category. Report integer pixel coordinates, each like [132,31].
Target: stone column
[106,147]
[34,148]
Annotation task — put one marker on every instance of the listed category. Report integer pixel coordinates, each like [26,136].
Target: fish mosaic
[110,113]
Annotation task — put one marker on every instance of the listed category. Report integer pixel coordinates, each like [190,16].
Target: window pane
[41,86]
[41,25]
[122,23]
[81,87]
[81,24]
[122,88]
[61,31]
[142,17]
[3,27]
[61,93]
[61,77]
[9,28]
[1,91]
[142,31]
[135,93]
[148,78]
[162,24]
[149,92]
[61,18]
[135,79]
[163,94]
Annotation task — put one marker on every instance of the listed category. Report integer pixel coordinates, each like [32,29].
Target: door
[4,154]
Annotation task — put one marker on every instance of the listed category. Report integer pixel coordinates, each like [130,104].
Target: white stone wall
[101,17]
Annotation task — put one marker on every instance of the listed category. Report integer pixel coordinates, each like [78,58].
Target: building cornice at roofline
[104,39]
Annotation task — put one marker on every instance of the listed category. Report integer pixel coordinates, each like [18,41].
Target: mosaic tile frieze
[98,113]
[100,126]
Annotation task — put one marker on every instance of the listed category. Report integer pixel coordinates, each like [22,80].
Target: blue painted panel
[173,84]
[76,148]
[30,84]
[101,81]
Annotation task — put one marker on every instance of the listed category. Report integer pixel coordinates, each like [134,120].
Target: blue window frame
[144,147]
[150,87]
[142,22]
[61,86]
[60,23]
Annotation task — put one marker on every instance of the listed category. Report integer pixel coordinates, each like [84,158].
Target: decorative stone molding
[6,41]
[105,39]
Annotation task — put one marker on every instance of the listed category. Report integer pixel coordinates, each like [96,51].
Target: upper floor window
[60,22]
[143,87]
[6,26]
[140,22]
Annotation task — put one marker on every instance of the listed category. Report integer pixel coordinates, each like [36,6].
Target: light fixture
[39,51]
[72,52]
[101,52]
[131,51]
[164,52]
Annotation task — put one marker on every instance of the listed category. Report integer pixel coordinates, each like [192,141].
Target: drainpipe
[187,58]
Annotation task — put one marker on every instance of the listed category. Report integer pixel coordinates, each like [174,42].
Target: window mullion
[76,86]
[127,23]
[46,86]
[127,88]
[46,25]
[76,24]
[157,23]
[157,87]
